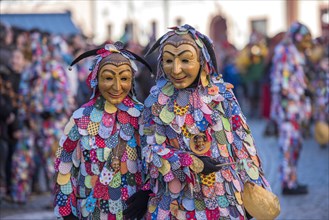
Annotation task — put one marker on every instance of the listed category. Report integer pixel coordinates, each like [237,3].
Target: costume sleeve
[163,159]
[67,161]
[241,143]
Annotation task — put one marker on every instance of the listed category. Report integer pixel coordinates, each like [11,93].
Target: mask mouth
[115,95]
[179,78]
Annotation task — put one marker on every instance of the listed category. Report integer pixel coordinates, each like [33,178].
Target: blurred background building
[138,20]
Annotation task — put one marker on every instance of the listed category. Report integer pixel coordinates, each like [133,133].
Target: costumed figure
[290,106]
[30,120]
[320,90]
[198,150]
[98,159]
[251,65]
[57,105]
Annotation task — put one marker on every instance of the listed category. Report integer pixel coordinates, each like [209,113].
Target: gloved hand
[209,165]
[45,115]
[308,93]
[137,205]
[70,217]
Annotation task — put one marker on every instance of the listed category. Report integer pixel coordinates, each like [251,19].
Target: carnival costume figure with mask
[197,147]
[44,105]
[98,160]
[320,89]
[290,106]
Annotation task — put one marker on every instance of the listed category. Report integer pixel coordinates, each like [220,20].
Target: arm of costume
[66,168]
[162,157]
[240,142]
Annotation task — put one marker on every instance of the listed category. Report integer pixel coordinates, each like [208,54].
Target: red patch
[138,178]
[65,210]
[57,162]
[189,120]
[114,130]
[185,159]
[69,145]
[236,121]
[123,117]
[100,141]
[127,102]
[83,122]
[124,193]
[73,200]
[108,119]
[134,122]
[190,215]
[168,155]
[93,156]
[101,191]
[88,168]
[111,216]
[208,118]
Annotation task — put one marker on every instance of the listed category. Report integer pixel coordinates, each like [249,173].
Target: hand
[308,93]
[210,165]
[70,217]
[45,115]
[137,205]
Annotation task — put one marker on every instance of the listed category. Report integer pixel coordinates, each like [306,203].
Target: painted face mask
[181,64]
[187,57]
[115,82]
[299,35]
[112,71]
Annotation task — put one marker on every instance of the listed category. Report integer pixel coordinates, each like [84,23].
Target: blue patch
[165,202]
[202,125]
[61,199]
[228,95]
[87,110]
[112,141]
[115,193]
[150,100]
[122,107]
[161,82]
[221,87]
[91,203]
[235,108]
[170,133]
[132,142]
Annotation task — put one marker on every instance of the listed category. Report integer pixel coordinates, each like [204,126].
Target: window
[259,25]
[324,21]
[109,32]
[178,21]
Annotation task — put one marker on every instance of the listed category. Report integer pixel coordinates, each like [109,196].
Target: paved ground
[313,170]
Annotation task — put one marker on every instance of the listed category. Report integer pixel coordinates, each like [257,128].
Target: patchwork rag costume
[183,127]
[289,104]
[44,106]
[98,160]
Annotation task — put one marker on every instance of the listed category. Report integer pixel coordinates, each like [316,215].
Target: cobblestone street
[312,170]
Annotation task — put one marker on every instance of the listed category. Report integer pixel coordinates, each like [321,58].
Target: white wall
[94,16]
[239,14]
[195,13]
[309,14]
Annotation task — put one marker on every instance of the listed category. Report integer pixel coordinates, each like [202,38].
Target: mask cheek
[166,69]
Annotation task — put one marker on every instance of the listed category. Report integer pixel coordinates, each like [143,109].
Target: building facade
[107,20]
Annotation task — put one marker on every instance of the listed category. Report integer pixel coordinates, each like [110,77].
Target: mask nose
[177,66]
[117,85]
